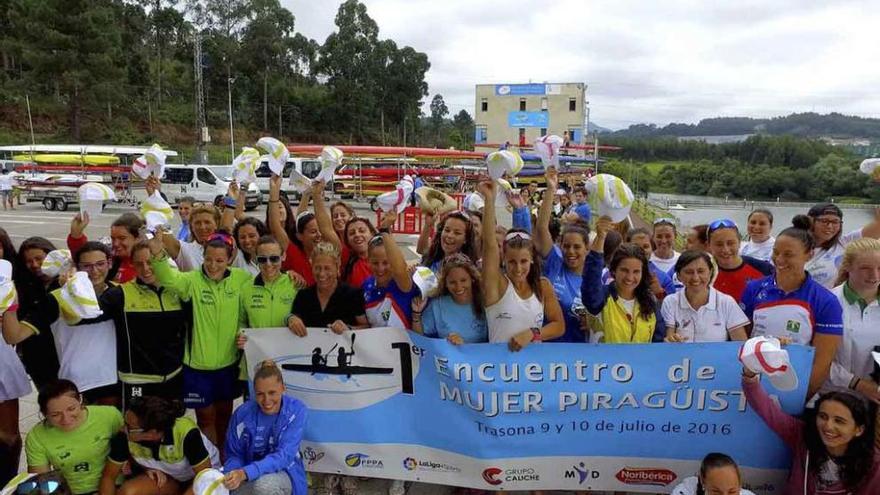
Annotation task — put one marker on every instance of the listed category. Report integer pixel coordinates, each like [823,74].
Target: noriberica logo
[645,476]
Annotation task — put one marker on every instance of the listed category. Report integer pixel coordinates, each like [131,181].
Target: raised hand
[78,225]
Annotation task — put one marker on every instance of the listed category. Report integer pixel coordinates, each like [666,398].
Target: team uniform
[666,265]
[38,353]
[733,281]
[824,264]
[265,305]
[355,270]
[861,335]
[388,306]
[150,325]
[567,286]
[79,454]
[798,315]
[758,250]
[182,447]
[513,314]
[711,322]
[211,357]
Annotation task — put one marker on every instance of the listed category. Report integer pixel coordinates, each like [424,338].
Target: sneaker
[349,485]
[398,487]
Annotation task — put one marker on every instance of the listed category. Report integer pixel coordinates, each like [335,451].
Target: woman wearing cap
[454,234]
[167,448]
[663,236]
[791,304]
[718,475]
[210,372]
[456,312]
[699,312]
[521,306]
[38,352]
[389,292]
[563,264]
[310,229]
[827,231]
[263,445]
[832,445]
[75,337]
[661,283]
[759,244]
[73,438]
[858,292]
[626,310]
[734,271]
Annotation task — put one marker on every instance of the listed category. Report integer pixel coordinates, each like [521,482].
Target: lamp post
[229,82]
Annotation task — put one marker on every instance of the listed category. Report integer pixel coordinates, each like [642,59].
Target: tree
[438,112]
[73,46]
[464,124]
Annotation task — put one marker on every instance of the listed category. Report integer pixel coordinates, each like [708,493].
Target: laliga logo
[490,474]
[410,464]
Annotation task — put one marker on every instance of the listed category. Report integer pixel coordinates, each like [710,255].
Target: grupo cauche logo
[489,475]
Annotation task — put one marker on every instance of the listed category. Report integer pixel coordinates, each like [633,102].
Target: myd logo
[581,473]
[489,475]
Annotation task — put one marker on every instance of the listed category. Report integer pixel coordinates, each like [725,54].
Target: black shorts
[107,391]
[203,388]
[171,389]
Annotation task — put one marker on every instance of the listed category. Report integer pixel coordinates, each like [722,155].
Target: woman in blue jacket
[262,443]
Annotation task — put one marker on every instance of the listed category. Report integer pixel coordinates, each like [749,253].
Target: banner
[387,403]
[528,119]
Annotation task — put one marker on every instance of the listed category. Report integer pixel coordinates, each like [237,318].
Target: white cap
[425,280]
[330,157]
[871,166]
[78,299]
[277,153]
[547,147]
[765,355]
[7,286]
[244,166]
[299,181]
[473,202]
[5,271]
[614,197]
[56,261]
[209,482]
[152,161]
[399,197]
[503,162]
[157,212]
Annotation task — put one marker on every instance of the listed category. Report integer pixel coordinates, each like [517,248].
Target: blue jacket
[285,440]
[596,295]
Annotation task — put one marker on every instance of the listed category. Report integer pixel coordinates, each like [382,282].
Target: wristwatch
[536,334]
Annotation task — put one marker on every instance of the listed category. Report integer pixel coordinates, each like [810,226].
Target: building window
[484,105]
[543,104]
[543,131]
[572,104]
[482,132]
[522,104]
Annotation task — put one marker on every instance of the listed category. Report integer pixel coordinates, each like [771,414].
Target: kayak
[387,151]
[68,159]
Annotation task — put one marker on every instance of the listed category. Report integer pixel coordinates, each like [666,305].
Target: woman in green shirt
[210,361]
[74,439]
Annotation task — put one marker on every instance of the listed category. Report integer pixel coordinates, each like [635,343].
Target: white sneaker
[398,487]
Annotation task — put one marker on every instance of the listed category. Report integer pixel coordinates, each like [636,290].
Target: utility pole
[596,151]
[202,135]
[279,122]
[229,81]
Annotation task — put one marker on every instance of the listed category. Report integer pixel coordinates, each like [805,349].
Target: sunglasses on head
[274,259]
[376,240]
[663,221]
[724,223]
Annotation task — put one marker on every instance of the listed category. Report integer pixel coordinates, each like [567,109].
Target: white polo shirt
[861,333]
[708,323]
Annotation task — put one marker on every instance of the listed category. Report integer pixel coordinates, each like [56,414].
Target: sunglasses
[274,259]
[87,267]
[663,221]
[33,487]
[724,223]
[377,240]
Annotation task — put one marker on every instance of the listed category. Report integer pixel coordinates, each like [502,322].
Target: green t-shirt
[79,454]
[265,305]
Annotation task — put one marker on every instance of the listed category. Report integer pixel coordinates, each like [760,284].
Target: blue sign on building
[520,89]
[528,119]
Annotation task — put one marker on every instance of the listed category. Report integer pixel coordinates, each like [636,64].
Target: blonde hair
[324,248]
[204,208]
[267,369]
[858,247]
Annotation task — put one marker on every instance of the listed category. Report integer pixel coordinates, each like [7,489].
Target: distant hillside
[798,124]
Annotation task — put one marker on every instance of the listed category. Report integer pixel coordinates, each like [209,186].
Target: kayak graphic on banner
[92,196]
[635,418]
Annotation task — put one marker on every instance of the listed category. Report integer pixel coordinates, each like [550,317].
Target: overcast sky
[643,61]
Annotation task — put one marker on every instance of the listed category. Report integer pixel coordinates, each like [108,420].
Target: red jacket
[126,269]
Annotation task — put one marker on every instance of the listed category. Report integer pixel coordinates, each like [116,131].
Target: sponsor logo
[793,326]
[489,475]
[312,456]
[645,476]
[504,90]
[495,476]
[412,464]
[581,473]
[363,461]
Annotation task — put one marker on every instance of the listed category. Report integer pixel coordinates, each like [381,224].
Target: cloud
[656,62]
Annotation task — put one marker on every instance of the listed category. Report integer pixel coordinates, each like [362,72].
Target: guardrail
[746,204]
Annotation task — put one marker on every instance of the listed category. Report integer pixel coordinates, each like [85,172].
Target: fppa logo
[358,459]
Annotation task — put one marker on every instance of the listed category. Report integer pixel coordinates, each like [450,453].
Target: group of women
[174,306]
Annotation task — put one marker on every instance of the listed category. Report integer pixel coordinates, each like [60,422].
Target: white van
[309,167]
[204,183]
